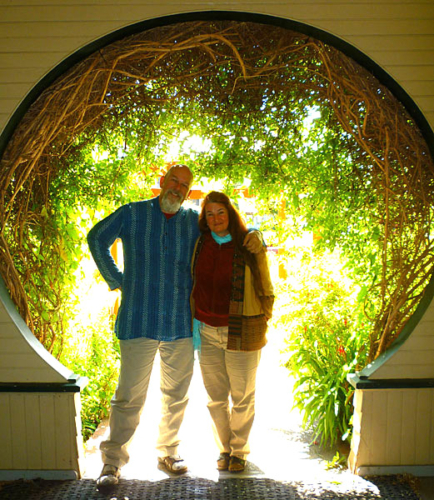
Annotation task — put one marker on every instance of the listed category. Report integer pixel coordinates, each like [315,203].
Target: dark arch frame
[349,50]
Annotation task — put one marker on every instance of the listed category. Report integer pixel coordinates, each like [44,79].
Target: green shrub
[93,352]
[327,339]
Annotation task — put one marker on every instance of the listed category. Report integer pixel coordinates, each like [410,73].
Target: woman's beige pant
[137,358]
[229,373]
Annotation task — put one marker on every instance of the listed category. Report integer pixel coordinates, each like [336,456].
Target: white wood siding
[40,432]
[393,427]
[22,358]
[415,358]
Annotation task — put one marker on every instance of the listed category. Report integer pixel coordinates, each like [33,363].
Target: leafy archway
[363,176]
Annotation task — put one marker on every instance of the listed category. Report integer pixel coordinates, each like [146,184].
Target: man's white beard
[168,206]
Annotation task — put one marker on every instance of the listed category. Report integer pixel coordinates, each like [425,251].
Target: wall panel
[33,431]
[18,432]
[39,432]
[424,431]
[6,426]
[393,431]
[49,454]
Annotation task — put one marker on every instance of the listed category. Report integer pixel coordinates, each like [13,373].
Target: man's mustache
[174,192]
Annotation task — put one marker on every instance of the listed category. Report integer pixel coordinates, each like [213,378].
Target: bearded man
[158,237]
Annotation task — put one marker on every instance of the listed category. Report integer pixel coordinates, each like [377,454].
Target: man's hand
[254,242]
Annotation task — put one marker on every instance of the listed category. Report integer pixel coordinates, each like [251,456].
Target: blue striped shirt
[156,281]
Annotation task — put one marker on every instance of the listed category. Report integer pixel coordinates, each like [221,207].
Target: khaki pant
[229,373]
[137,358]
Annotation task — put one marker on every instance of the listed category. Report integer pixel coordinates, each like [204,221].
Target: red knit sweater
[212,290]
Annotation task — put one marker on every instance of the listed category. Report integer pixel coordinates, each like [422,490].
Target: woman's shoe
[223,461]
[236,464]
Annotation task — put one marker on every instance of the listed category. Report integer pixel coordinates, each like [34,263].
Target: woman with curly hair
[232,301]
